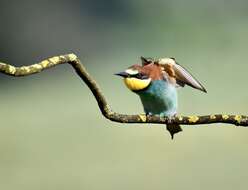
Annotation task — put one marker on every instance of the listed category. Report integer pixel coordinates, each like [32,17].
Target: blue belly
[160,98]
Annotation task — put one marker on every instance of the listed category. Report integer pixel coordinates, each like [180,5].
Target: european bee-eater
[156,81]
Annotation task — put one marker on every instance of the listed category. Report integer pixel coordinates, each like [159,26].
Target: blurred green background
[52,135]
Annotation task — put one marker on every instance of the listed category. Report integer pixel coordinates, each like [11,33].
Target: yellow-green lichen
[62,57]
[10,69]
[193,119]
[212,117]
[225,117]
[25,69]
[37,66]
[238,118]
[180,118]
[107,109]
[54,60]
[142,117]
[72,57]
[44,63]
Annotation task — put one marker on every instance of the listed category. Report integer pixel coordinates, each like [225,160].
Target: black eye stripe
[140,76]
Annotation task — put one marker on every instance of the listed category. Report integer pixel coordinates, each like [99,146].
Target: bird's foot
[149,114]
[169,118]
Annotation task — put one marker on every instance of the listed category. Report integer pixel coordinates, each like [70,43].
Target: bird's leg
[170,118]
[148,114]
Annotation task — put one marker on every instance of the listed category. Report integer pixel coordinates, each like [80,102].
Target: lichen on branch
[72,59]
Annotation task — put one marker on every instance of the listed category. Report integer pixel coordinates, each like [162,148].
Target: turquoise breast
[159,98]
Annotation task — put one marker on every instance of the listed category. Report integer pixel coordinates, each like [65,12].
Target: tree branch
[72,59]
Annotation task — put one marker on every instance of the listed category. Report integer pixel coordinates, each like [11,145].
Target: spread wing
[180,74]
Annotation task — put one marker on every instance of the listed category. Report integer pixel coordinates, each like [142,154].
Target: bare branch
[72,59]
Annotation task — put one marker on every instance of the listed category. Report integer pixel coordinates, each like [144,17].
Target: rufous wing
[181,75]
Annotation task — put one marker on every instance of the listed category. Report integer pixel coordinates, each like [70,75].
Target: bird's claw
[170,119]
[149,114]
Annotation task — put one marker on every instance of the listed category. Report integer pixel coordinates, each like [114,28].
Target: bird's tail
[173,129]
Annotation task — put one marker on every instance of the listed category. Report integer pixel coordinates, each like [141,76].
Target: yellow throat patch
[136,84]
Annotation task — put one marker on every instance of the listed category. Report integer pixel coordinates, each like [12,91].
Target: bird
[156,82]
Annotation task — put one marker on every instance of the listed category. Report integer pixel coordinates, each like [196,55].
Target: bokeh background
[52,135]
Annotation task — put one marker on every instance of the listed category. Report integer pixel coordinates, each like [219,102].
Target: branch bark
[72,59]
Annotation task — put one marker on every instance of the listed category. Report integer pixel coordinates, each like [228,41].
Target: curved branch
[72,59]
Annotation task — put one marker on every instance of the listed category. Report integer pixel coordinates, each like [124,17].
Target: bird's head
[139,77]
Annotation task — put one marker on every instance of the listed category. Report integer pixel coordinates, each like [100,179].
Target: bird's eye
[141,76]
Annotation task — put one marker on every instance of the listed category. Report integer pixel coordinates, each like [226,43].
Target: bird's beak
[122,74]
